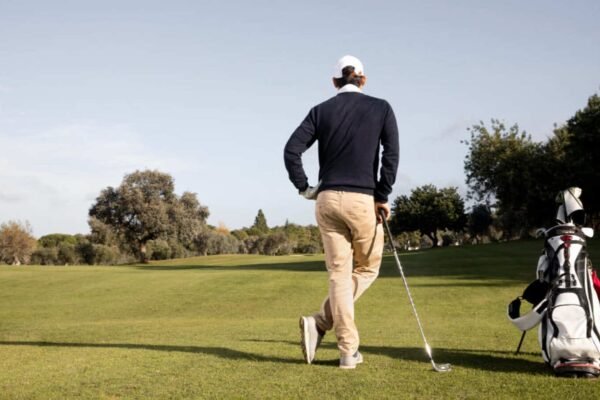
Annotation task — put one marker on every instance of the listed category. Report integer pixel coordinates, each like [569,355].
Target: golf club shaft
[412,303]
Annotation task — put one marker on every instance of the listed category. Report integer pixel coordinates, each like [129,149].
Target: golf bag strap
[529,320]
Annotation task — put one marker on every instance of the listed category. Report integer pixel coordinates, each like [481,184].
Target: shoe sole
[304,340]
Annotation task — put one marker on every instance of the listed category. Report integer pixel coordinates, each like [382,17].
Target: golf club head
[441,367]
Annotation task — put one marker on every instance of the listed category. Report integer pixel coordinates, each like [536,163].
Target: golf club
[436,367]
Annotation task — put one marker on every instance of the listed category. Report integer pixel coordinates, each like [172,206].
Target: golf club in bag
[436,367]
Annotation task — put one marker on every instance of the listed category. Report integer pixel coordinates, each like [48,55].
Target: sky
[210,91]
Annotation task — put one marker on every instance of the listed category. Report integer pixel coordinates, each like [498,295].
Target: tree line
[144,219]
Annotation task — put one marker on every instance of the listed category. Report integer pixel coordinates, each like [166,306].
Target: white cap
[348,61]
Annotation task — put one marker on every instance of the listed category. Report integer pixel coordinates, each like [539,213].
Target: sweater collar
[349,88]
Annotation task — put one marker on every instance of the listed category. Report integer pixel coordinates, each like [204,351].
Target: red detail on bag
[596,282]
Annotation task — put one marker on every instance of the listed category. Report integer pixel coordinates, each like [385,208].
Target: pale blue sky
[210,91]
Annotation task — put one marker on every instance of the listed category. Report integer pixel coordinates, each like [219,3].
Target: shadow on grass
[482,360]
[306,266]
[495,266]
[497,263]
[221,352]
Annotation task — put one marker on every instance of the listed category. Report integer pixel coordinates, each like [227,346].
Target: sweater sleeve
[303,137]
[389,158]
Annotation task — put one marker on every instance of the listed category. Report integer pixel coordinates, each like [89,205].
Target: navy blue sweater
[349,129]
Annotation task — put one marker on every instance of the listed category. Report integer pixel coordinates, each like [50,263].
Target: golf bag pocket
[568,332]
[529,320]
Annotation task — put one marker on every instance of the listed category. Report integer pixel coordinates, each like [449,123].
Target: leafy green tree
[522,177]
[276,244]
[429,210]
[213,241]
[16,242]
[101,233]
[45,256]
[498,162]
[145,207]
[479,221]
[58,249]
[56,239]
[582,155]
[260,226]
[409,240]
[505,166]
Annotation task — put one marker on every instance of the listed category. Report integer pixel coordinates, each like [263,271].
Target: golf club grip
[387,228]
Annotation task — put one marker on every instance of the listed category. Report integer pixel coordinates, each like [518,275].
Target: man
[349,128]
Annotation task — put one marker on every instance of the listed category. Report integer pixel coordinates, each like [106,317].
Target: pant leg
[337,243]
[357,214]
[367,240]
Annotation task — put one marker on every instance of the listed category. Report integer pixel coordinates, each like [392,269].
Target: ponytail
[349,77]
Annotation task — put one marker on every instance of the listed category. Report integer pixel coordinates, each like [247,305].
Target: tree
[429,210]
[56,239]
[145,207]
[16,242]
[260,224]
[479,221]
[57,249]
[582,155]
[409,240]
[215,241]
[505,166]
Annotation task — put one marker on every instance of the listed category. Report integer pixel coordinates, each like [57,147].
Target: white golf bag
[566,306]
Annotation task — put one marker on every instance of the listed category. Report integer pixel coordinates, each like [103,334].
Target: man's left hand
[385,207]
[310,193]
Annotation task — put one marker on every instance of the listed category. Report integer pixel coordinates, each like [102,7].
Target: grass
[226,327]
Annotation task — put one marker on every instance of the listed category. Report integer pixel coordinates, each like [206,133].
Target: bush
[100,254]
[158,250]
[45,256]
[86,251]
[16,242]
[211,242]
[276,244]
[409,240]
[177,249]
[308,248]
[67,255]
[449,238]
[106,255]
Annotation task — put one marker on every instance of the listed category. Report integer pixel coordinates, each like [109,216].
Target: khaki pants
[353,243]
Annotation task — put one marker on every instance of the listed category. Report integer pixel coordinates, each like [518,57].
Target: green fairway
[227,327]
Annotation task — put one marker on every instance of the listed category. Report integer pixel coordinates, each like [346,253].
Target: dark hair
[349,76]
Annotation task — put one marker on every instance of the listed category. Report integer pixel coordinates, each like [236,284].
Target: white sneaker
[349,362]
[310,338]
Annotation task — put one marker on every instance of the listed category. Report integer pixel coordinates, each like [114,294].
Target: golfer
[350,128]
